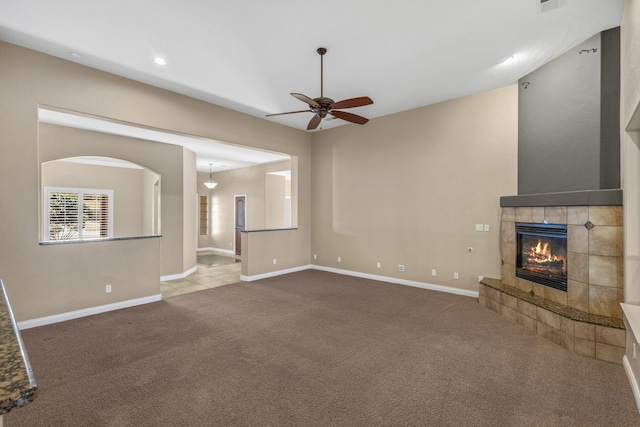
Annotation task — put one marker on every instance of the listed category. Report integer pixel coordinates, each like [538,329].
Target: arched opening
[91,198]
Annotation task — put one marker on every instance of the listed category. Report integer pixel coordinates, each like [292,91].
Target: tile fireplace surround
[587,319]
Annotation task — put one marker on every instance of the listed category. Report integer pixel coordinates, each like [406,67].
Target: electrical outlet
[339,259]
[479,227]
[378,265]
[315,256]
[274,261]
[455,276]
[486,227]
[400,267]
[480,278]
[107,289]
[433,272]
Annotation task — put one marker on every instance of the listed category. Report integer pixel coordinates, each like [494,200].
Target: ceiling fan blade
[352,102]
[306,99]
[315,121]
[353,118]
[290,112]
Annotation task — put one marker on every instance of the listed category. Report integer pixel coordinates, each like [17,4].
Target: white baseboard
[224,251]
[632,380]
[41,321]
[429,286]
[179,275]
[274,273]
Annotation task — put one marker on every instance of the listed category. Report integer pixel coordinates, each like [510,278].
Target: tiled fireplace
[587,318]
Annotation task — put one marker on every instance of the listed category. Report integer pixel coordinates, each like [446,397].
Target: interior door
[240,221]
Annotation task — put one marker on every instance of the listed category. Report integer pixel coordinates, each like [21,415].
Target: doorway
[240,221]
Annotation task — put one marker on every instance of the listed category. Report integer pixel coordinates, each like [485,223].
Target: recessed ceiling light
[160,61]
[505,60]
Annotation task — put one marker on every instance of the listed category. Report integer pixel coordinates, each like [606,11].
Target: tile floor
[204,278]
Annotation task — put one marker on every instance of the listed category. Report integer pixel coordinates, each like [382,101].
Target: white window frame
[80,192]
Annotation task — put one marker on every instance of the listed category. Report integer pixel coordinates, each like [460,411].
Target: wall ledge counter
[108,239]
[261,230]
[17,383]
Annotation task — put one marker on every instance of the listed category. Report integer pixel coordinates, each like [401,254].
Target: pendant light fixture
[210,184]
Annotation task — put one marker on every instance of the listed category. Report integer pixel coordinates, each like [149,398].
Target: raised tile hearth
[587,318]
[590,335]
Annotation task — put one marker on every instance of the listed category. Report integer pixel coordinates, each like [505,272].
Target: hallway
[213,270]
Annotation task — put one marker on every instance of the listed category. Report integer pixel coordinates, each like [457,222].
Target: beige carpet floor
[314,349]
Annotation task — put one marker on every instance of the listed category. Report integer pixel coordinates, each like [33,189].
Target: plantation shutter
[95,216]
[78,214]
[63,216]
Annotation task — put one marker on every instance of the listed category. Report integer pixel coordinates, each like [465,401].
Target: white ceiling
[248,55]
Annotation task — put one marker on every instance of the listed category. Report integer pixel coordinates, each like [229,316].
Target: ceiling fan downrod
[321,51]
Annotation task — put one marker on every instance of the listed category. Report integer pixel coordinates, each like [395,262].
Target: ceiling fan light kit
[323,106]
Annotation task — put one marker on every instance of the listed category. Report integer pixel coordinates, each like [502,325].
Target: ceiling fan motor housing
[325,106]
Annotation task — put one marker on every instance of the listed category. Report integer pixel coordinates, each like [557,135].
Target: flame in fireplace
[541,257]
[543,250]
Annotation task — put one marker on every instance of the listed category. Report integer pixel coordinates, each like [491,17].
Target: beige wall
[404,189]
[189,210]
[260,248]
[150,213]
[409,188]
[630,143]
[126,184]
[250,182]
[47,280]
[57,142]
[275,187]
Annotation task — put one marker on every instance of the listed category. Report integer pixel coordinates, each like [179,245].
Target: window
[203,215]
[78,214]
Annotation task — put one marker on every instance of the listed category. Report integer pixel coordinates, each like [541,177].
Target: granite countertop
[17,383]
[568,312]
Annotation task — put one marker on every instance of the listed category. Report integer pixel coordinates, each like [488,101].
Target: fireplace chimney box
[568,123]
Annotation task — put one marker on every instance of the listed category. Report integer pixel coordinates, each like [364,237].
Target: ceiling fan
[322,106]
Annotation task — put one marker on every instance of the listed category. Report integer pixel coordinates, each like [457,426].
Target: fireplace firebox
[542,254]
